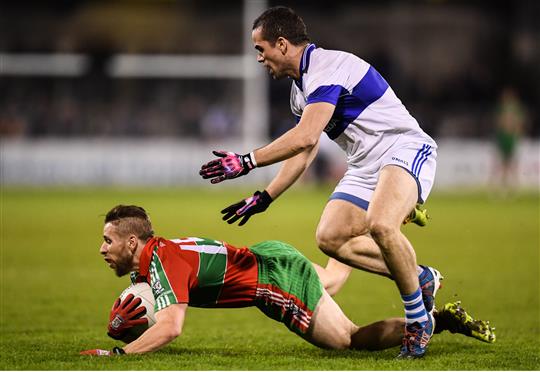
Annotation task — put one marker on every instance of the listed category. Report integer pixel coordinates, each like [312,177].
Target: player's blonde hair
[130,219]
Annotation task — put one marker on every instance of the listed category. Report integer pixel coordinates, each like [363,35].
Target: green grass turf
[56,291]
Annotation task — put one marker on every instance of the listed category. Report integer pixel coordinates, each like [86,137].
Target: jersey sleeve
[326,86]
[171,278]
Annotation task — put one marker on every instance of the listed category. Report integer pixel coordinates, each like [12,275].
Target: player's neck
[137,255]
[296,57]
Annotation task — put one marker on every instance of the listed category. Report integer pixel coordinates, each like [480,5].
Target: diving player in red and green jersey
[271,275]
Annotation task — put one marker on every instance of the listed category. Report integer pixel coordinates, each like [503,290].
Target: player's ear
[132,243]
[281,43]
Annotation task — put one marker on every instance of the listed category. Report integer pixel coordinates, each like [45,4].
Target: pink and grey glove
[229,165]
[246,208]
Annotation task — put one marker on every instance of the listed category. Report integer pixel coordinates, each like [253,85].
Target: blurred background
[140,92]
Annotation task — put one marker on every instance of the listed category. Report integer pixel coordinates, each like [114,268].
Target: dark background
[448,61]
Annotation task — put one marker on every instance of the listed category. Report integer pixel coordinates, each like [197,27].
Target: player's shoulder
[328,59]
[172,252]
[190,240]
[334,67]
[164,246]
[198,243]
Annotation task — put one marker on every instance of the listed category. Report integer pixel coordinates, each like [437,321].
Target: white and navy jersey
[368,117]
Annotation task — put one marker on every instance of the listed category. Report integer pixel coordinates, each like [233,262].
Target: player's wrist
[118,351]
[249,160]
[265,197]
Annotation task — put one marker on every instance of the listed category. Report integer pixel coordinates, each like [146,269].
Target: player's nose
[103,248]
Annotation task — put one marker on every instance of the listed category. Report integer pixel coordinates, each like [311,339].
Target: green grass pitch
[56,291]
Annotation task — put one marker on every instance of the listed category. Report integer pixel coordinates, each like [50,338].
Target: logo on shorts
[291,307]
[400,161]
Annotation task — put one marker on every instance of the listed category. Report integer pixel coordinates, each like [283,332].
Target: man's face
[116,250]
[269,55]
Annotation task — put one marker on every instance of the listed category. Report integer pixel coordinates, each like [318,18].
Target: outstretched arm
[302,138]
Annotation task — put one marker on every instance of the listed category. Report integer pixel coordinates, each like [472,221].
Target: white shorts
[359,182]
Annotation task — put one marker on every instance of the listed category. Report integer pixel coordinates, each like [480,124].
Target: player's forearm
[292,143]
[291,171]
[153,339]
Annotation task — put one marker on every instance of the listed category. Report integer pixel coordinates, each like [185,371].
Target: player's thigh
[340,221]
[395,196]
[329,328]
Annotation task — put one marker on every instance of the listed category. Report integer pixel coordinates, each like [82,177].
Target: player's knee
[337,341]
[380,229]
[342,341]
[329,241]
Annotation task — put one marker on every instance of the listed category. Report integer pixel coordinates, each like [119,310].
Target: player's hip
[288,287]
[364,147]
[360,179]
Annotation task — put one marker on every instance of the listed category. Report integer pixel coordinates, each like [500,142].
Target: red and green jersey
[271,275]
[200,272]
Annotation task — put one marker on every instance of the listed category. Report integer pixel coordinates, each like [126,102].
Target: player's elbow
[175,333]
[311,142]
[170,330]
[306,143]
[172,333]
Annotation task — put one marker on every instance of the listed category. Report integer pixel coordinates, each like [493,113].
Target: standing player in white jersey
[391,163]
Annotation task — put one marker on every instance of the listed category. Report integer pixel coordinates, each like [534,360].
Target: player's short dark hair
[281,21]
[131,219]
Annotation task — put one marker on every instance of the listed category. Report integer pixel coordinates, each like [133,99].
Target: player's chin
[276,76]
[121,270]
[120,273]
[273,73]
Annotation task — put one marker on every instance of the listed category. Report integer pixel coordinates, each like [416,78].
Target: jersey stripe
[209,249]
[370,88]
[211,271]
[327,93]
[158,275]
[286,304]
[186,240]
[350,106]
